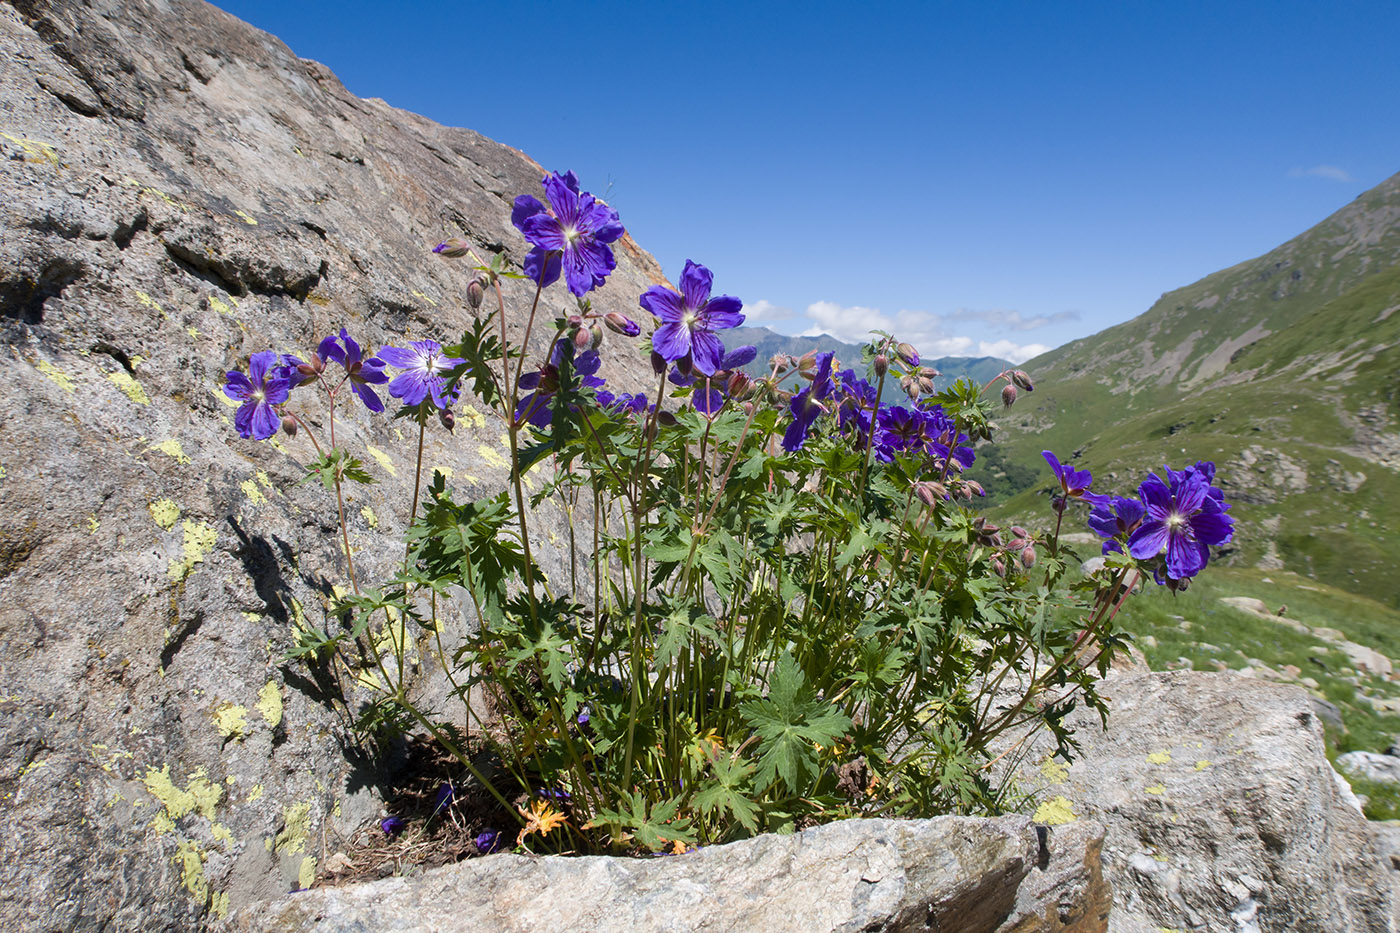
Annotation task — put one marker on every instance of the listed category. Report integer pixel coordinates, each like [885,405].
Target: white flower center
[1176,520]
[571,235]
[689,319]
[259,395]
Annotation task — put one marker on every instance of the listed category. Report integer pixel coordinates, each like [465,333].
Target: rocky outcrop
[950,873]
[179,190]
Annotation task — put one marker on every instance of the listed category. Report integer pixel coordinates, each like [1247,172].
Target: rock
[1328,712]
[179,190]
[1371,766]
[1206,784]
[1367,660]
[949,873]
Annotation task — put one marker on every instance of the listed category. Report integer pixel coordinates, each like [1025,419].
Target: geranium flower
[1074,484]
[422,364]
[574,235]
[690,318]
[1116,520]
[266,386]
[807,407]
[535,407]
[1183,519]
[361,372]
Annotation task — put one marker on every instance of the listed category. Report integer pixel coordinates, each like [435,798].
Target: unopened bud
[974,487]
[666,418]
[1020,532]
[998,568]
[449,420]
[1179,586]
[619,324]
[476,291]
[452,248]
[925,493]
[910,386]
[1008,395]
[739,385]
[1017,543]
[597,333]
[574,320]
[289,426]
[807,363]
[658,363]
[1019,377]
[882,364]
[908,354]
[583,338]
[926,385]
[1028,557]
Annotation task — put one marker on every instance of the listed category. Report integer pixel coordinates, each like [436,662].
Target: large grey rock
[1370,765]
[1221,810]
[946,874]
[179,190]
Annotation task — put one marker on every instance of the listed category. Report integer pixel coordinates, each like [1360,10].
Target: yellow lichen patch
[246,217]
[491,457]
[231,720]
[1055,812]
[477,419]
[383,459]
[270,704]
[172,449]
[222,833]
[370,519]
[132,388]
[1202,765]
[306,875]
[217,304]
[251,490]
[164,513]
[149,302]
[93,524]
[33,766]
[1054,771]
[1159,758]
[191,862]
[199,796]
[192,331]
[1156,789]
[265,480]
[296,826]
[253,616]
[229,402]
[218,904]
[34,151]
[418,294]
[255,794]
[57,376]
[199,541]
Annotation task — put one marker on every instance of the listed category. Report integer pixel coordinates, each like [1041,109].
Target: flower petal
[671,340]
[237,385]
[265,422]
[525,206]
[542,266]
[723,312]
[663,303]
[400,358]
[544,231]
[368,396]
[696,281]
[706,352]
[1148,540]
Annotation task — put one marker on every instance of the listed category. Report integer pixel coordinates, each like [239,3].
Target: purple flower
[265,386]
[690,318]
[807,407]
[575,234]
[535,408]
[443,797]
[739,357]
[1183,519]
[1116,520]
[423,365]
[361,372]
[488,841]
[391,825]
[707,399]
[1074,484]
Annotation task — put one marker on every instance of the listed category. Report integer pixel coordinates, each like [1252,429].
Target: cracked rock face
[178,191]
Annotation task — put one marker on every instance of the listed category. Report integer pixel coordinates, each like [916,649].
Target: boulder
[950,873]
[1370,765]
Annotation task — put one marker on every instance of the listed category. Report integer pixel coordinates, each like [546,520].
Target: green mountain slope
[1284,370]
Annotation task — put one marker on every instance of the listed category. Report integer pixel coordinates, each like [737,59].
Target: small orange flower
[541,818]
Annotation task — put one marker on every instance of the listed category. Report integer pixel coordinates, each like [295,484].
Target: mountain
[980,369]
[1281,369]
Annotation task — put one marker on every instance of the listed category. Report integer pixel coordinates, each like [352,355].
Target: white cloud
[1003,319]
[762,310]
[924,330]
[1332,172]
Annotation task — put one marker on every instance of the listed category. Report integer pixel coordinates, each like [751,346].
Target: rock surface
[946,874]
[1220,808]
[179,190]
[1370,765]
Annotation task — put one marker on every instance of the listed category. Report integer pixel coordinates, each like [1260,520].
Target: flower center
[571,235]
[1176,520]
[259,395]
[689,319]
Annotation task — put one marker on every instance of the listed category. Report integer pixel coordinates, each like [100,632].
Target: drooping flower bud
[289,426]
[619,324]
[974,487]
[574,320]
[882,364]
[666,418]
[998,567]
[658,363]
[449,420]
[582,338]
[739,385]
[1019,377]
[452,248]
[476,291]
[910,386]
[597,333]
[1028,558]
[1008,395]
[1020,532]
[925,492]
[908,354]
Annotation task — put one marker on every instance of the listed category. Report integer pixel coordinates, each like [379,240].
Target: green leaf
[789,722]
[728,792]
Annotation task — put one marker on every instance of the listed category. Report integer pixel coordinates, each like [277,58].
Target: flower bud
[289,426]
[658,363]
[574,320]
[1020,532]
[666,418]
[582,338]
[476,291]
[452,248]
[882,364]
[1028,557]
[974,488]
[908,354]
[1008,395]
[449,420]
[739,385]
[998,567]
[910,386]
[619,324]
[925,492]
[748,408]
[807,364]
[926,385]
[1019,377]
[597,333]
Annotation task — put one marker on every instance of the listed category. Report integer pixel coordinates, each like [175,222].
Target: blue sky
[984,177]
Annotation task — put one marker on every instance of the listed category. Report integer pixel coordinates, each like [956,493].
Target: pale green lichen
[34,151]
[1053,771]
[265,480]
[306,875]
[172,449]
[164,513]
[246,217]
[477,419]
[218,904]
[490,456]
[57,376]
[217,304]
[1055,812]
[270,704]
[383,459]
[222,834]
[231,720]
[1202,765]
[370,518]
[191,862]
[93,524]
[131,387]
[255,794]
[199,541]
[1156,789]
[1160,758]
[199,796]
[251,490]
[296,827]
